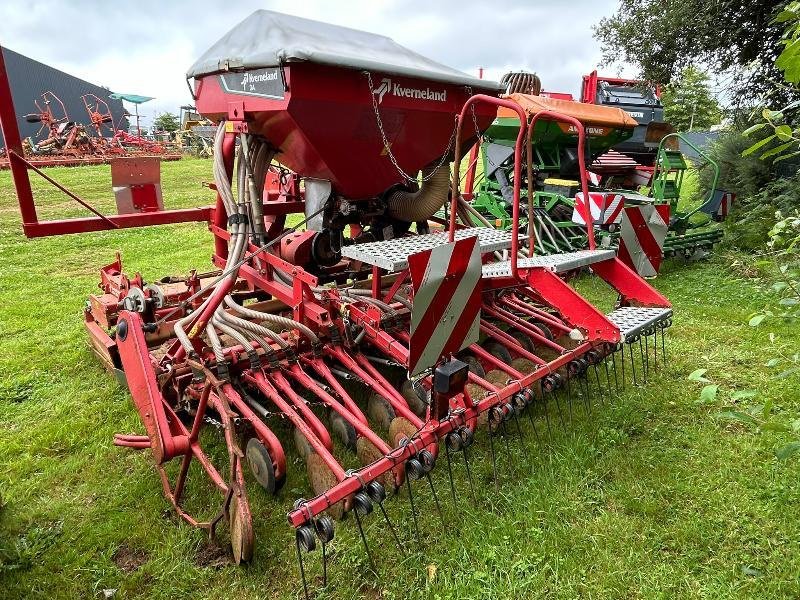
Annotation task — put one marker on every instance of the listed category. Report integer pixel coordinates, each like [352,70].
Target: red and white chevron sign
[445,314]
[725,205]
[606,208]
[642,234]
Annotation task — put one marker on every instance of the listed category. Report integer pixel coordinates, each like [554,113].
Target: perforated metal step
[633,320]
[558,263]
[392,255]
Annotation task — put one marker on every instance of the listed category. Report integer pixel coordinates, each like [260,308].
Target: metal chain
[388,148]
[479,136]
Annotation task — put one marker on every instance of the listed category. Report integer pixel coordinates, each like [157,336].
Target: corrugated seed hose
[422,204]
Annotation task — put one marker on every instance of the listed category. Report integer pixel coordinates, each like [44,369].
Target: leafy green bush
[754,215]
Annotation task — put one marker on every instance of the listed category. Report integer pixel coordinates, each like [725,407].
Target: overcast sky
[145,47]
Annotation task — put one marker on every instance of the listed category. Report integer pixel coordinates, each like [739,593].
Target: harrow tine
[413,510]
[568,394]
[546,415]
[435,497]
[655,349]
[633,366]
[450,471]
[608,375]
[622,350]
[663,347]
[324,564]
[519,431]
[614,367]
[391,526]
[505,436]
[584,383]
[558,408]
[364,540]
[529,412]
[599,385]
[469,474]
[494,459]
[301,565]
[645,354]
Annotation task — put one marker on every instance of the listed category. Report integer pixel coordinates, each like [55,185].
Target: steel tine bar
[558,408]
[568,394]
[391,527]
[614,368]
[413,510]
[608,376]
[519,431]
[450,472]
[324,565]
[505,436]
[364,540]
[599,385]
[585,388]
[494,459]
[655,349]
[435,497]
[302,568]
[529,412]
[546,415]
[633,366]
[469,475]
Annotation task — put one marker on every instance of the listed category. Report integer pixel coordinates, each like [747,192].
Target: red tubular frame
[31,224]
[428,436]
[525,133]
[456,181]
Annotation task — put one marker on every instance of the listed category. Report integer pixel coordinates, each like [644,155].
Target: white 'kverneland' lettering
[250,78]
[395,89]
[418,94]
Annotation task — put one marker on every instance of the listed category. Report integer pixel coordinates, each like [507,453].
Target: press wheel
[322,479]
[242,540]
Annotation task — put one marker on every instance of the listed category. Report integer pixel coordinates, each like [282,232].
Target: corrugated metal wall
[30,78]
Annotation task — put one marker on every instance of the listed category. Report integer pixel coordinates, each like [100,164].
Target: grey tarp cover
[268,39]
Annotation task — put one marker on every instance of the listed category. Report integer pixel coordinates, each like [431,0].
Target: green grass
[648,496]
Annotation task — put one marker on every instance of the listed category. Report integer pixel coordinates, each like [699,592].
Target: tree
[166,122]
[784,141]
[735,38]
[688,102]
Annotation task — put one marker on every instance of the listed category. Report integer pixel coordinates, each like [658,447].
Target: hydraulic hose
[422,204]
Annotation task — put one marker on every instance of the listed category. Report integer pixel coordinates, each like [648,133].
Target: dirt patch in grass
[212,555]
[129,559]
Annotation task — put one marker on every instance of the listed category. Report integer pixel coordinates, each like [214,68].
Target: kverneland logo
[250,79]
[408,92]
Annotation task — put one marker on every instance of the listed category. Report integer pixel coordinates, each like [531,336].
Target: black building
[29,79]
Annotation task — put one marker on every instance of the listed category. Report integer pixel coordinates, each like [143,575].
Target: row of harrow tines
[330,362]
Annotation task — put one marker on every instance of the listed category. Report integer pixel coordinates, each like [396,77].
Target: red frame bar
[31,224]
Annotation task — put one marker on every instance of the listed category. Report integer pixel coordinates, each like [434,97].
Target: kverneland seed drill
[444,330]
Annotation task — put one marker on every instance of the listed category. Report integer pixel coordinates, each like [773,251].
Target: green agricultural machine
[616,182]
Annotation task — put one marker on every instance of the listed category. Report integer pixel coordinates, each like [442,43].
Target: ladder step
[558,263]
[392,255]
[633,320]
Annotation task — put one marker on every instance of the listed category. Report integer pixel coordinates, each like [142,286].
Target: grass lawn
[650,495]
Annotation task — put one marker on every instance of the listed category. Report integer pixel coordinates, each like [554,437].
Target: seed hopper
[332,272]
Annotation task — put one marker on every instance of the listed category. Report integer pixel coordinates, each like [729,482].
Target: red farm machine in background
[61,141]
[370,321]
[58,136]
